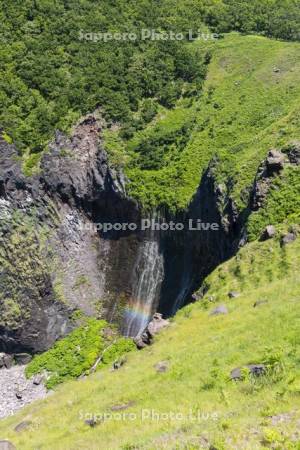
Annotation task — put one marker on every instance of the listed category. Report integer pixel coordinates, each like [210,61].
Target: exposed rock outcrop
[293,152]
[271,166]
[56,260]
[268,233]
[50,257]
[155,326]
[288,238]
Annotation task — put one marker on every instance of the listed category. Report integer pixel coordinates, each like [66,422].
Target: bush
[72,356]
[75,354]
[116,350]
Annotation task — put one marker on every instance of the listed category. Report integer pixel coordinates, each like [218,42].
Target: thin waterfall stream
[148,277]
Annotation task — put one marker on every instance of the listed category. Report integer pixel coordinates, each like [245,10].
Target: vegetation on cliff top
[249,104]
[166,124]
[51,75]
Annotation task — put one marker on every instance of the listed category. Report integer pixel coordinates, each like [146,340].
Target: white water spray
[148,274]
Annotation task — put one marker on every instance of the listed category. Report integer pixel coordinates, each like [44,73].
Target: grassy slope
[201,351]
[247,107]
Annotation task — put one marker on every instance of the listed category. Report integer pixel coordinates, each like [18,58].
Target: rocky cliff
[56,262]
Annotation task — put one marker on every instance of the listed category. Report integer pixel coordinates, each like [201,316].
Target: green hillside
[200,351]
[169,110]
[51,75]
[249,104]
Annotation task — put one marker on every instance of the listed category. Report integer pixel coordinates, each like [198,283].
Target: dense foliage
[75,354]
[248,105]
[273,18]
[50,75]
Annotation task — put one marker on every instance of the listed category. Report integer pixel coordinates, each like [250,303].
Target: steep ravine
[55,262]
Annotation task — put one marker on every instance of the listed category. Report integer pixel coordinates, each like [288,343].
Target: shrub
[72,356]
[75,354]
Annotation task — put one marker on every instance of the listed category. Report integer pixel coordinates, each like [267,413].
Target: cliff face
[56,264]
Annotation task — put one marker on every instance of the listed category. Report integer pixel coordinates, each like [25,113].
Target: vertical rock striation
[55,262]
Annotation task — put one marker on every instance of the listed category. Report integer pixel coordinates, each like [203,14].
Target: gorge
[122,276]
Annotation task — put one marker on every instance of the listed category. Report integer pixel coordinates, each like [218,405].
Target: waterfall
[147,279]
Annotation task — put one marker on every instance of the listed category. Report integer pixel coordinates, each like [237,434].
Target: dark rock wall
[54,262]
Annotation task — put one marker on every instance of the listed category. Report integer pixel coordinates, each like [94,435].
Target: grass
[200,351]
[249,103]
[282,205]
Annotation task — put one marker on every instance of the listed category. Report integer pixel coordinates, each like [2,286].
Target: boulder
[294,153]
[288,238]
[6,361]
[197,296]
[194,298]
[221,309]
[236,374]
[233,294]
[6,445]
[143,340]
[38,379]
[19,394]
[162,366]
[268,233]
[275,162]
[91,423]
[259,303]
[155,326]
[23,358]
[256,370]
[22,426]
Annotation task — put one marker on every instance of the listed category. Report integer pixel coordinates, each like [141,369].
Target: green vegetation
[116,350]
[6,137]
[31,164]
[53,71]
[257,264]
[11,312]
[115,148]
[24,261]
[282,204]
[249,104]
[200,351]
[171,109]
[75,354]
[273,18]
